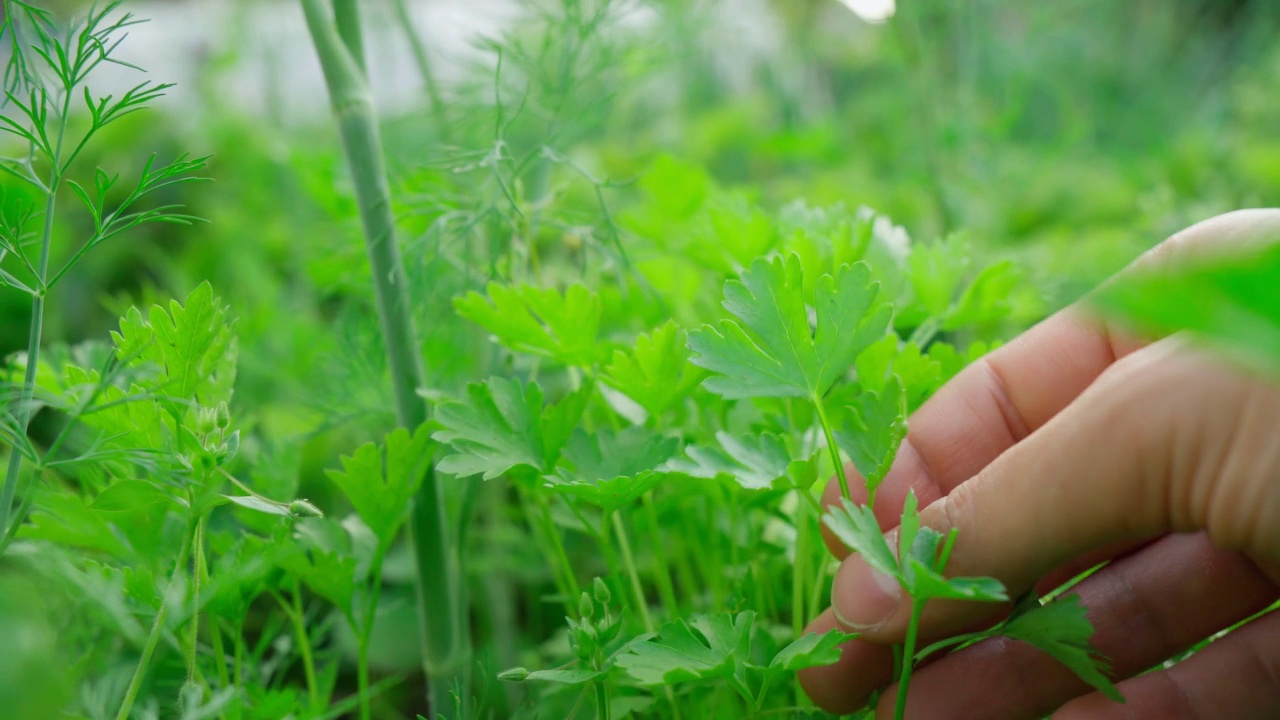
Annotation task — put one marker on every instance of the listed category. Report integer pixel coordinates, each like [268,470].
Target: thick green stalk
[438,578]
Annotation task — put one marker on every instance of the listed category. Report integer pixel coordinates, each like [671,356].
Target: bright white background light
[872,11]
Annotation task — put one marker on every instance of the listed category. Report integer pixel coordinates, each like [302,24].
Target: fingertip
[867,601]
[844,686]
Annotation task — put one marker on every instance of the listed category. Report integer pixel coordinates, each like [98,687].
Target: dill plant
[45,83]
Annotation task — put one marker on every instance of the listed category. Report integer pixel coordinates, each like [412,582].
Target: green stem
[237,668]
[193,635]
[538,514]
[365,633]
[832,447]
[908,659]
[799,568]
[442,617]
[293,610]
[157,629]
[630,564]
[346,15]
[661,562]
[220,658]
[602,701]
[557,546]
[424,66]
[37,326]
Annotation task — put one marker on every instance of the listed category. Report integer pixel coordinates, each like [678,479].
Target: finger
[844,687]
[1145,608]
[986,409]
[1237,676]
[1167,441]
[1013,391]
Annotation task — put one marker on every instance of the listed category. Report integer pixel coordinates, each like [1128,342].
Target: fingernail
[862,598]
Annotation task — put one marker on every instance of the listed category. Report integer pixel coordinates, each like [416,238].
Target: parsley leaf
[809,650]
[612,469]
[539,321]
[706,647]
[754,461]
[773,352]
[1062,629]
[875,427]
[856,526]
[381,480]
[656,373]
[498,428]
[193,346]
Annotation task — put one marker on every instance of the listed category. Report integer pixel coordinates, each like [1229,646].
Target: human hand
[1068,447]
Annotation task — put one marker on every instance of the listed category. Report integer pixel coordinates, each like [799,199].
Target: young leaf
[327,574]
[856,526]
[127,495]
[936,271]
[575,675]
[497,429]
[193,344]
[608,454]
[921,374]
[1062,629]
[773,352]
[925,583]
[257,504]
[706,647]
[986,299]
[810,650]
[754,461]
[611,470]
[875,427]
[380,481]
[656,373]
[539,321]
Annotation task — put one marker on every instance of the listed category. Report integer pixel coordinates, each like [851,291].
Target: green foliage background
[570,213]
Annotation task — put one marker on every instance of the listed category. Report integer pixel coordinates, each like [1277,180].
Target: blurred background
[534,138]
[1076,132]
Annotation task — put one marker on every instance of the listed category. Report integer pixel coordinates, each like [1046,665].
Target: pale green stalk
[441,616]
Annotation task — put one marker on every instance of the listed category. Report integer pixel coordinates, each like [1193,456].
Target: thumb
[1166,440]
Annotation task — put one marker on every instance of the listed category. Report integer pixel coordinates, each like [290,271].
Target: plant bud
[206,420]
[601,591]
[224,416]
[585,606]
[304,508]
